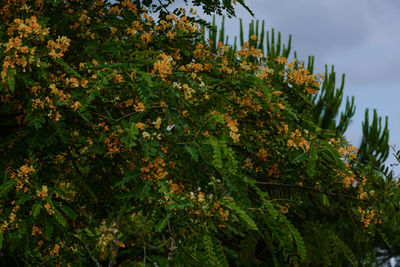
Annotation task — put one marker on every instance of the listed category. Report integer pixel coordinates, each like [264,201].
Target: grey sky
[360,37]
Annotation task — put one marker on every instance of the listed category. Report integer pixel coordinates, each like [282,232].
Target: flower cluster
[175,188]
[265,73]
[303,77]
[113,141]
[18,51]
[206,205]
[262,154]
[163,66]
[369,216]
[22,177]
[247,51]
[246,102]
[232,125]
[59,47]
[27,27]
[36,230]
[49,209]
[154,171]
[298,140]
[348,178]
[284,208]
[43,193]
[348,152]
[108,237]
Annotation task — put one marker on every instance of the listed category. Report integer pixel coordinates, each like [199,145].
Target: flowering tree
[136,142]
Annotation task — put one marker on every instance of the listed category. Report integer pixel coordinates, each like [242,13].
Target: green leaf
[1,239]
[211,256]
[68,69]
[131,133]
[90,233]
[59,217]
[242,214]
[222,261]
[23,199]
[384,238]
[150,148]
[274,213]
[49,230]
[128,178]
[311,161]
[334,155]
[325,200]
[11,79]
[298,156]
[217,117]
[301,248]
[68,212]
[348,253]
[146,77]
[230,184]
[217,157]
[127,195]
[161,224]
[37,125]
[6,187]
[22,229]
[36,209]
[192,152]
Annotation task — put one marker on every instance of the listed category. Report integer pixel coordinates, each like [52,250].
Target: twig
[47,259]
[144,254]
[112,260]
[82,181]
[163,6]
[311,189]
[91,256]
[133,113]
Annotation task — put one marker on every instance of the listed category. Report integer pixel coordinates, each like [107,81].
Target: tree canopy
[129,141]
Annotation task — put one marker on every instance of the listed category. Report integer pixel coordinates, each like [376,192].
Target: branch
[82,181]
[6,116]
[46,260]
[114,253]
[163,6]
[312,189]
[133,113]
[90,254]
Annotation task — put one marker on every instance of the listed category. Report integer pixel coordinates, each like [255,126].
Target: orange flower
[55,250]
[140,125]
[76,105]
[43,193]
[163,66]
[139,107]
[49,209]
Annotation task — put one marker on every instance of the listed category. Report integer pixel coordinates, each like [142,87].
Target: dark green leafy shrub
[136,142]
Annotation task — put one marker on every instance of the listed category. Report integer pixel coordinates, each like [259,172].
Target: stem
[312,189]
[91,256]
[133,113]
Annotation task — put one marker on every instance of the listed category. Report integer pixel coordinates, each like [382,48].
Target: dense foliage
[135,142]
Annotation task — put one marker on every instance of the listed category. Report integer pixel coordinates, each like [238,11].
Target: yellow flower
[157,123]
[49,209]
[163,66]
[146,135]
[200,197]
[76,105]
[140,125]
[139,107]
[281,60]
[43,193]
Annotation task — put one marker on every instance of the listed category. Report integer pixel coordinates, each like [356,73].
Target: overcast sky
[360,37]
